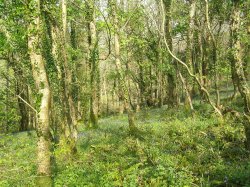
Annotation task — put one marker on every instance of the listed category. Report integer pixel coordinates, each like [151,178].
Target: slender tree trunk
[172,92]
[68,79]
[216,76]
[122,84]
[106,93]
[142,85]
[214,56]
[42,83]
[59,52]
[122,103]
[32,114]
[7,90]
[160,73]
[247,69]
[203,65]
[57,56]
[73,41]
[239,67]
[22,91]
[189,53]
[232,64]
[94,64]
[188,97]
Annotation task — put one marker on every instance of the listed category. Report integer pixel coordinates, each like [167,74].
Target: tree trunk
[7,90]
[106,92]
[22,91]
[190,47]
[214,56]
[160,74]
[122,84]
[42,83]
[239,68]
[204,66]
[188,97]
[68,79]
[121,96]
[94,64]
[65,122]
[172,92]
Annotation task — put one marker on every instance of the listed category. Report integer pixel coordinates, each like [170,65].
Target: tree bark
[122,82]
[42,83]
[58,34]
[214,56]
[239,67]
[172,92]
[68,78]
[189,53]
[94,64]
[188,97]
[7,98]
[22,91]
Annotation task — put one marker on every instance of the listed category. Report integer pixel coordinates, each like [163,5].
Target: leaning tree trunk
[42,83]
[239,67]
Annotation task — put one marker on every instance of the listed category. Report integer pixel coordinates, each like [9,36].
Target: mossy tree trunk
[214,54]
[23,92]
[68,124]
[171,91]
[189,53]
[68,79]
[239,67]
[121,74]
[94,63]
[42,84]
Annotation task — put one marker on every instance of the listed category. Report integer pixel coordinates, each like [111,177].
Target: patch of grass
[17,159]
[172,148]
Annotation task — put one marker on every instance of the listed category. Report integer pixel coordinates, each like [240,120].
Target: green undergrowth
[172,148]
[17,159]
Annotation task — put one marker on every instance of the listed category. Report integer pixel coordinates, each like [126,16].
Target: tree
[123,87]
[172,97]
[93,58]
[42,84]
[238,66]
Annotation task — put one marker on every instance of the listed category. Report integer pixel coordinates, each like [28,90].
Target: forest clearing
[125,93]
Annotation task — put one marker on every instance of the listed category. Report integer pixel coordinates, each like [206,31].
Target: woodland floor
[172,148]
